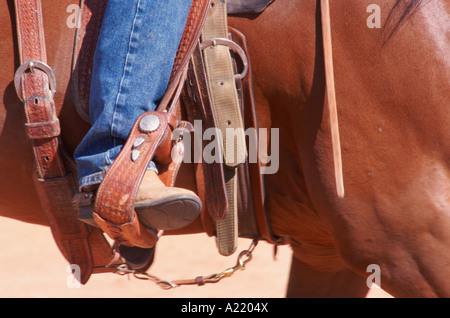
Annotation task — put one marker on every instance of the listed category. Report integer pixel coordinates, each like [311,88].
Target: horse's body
[392,88]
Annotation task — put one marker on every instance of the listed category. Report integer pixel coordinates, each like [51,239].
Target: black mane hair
[401,11]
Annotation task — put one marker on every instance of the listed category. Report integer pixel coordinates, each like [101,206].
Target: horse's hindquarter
[392,97]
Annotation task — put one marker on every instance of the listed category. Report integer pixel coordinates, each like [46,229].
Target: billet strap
[225,103]
[210,176]
[258,216]
[221,82]
[55,185]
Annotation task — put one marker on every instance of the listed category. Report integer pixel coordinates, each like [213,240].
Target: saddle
[205,87]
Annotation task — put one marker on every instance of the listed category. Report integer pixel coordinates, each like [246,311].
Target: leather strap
[90,20]
[221,83]
[55,185]
[34,87]
[194,24]
[331,97]
[225,102]
[114,205]
[210,176]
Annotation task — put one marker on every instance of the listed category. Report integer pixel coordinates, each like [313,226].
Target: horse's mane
[401,10]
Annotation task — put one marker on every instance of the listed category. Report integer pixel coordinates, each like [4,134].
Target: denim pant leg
[132,66]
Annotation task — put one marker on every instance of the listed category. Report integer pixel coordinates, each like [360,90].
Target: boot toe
[170,213]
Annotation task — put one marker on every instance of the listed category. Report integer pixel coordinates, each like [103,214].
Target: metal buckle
[32,65]
[232,45]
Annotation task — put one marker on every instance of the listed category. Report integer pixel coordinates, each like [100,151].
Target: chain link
[244,257]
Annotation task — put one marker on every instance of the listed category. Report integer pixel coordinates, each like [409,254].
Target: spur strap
[36,85]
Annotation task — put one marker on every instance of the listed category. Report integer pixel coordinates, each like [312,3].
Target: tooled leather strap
[35,85]
[87,32]
[114,207]
[194,25]
[33,80]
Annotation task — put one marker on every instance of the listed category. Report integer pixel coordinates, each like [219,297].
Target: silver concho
[135,155]
[149,123]
[139,141]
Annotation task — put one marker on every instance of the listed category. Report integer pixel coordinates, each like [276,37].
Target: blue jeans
[132,66]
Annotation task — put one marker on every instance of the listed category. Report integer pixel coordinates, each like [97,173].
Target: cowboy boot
[165,208]
[157,206]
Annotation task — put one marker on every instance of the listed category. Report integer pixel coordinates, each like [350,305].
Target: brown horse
[392,84]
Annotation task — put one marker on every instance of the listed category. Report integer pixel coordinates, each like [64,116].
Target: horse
[392,88]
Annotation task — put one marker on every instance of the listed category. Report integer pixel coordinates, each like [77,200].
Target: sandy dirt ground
[31,266]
